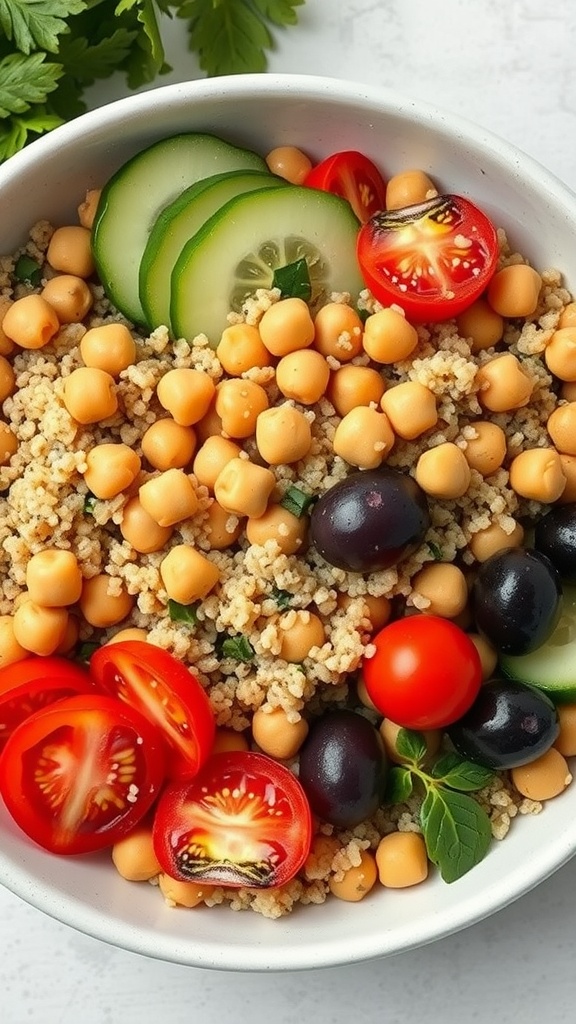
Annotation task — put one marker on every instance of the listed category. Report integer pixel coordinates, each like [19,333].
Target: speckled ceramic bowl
[321,116]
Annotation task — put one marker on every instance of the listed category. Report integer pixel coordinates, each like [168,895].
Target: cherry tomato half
[432,259]
[353,176]
[425,674]
[162,689]
[243,820]
[34,683]
[81,773]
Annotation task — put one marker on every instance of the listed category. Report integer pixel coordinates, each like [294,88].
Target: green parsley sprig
[52,50]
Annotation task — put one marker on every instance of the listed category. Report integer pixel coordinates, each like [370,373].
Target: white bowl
[322,116]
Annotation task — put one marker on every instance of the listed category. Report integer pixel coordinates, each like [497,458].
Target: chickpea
[210,425]
[560,354]
[444,586]
[289,163]
[69,296]
[211,458]
[536,473]
[407,188]
[544,778]
[411,409]
[10,650]
[70,251]
[39,629]
[104,601]
[186,394]
[503,384]
[388,337]
[566,740]
[133,855]
[494,538]
[338,331]
[514,290]
[168,445]
[303,376]
[54,578]
[283,435]
[561,426]
[300,632]
[364,437]
[140,530]
[6,344]
[8,444]
[358,880]
[487,450]
[222,528]
[287,326]
[402,860]
[443,472]
[110,469]
[241,348]
[377,609]
[568,390]
[568,316]
[568,463]
[239,403]
[229,739]
[187,574]
[363,695]
[90,395]
[276,735]
[131,633]
[109,347]
[481,324]
[70,636]
[488,655]
[30,322]
[351,386]
[243,488]
[169,498]
[183,894]
[7,379]
[278,524]
[389,733]
[88,207]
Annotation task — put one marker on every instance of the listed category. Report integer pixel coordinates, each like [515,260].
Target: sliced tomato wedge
[166,692]
[81,773]
[353,176]
[432,259]
[244,820]
[35,683]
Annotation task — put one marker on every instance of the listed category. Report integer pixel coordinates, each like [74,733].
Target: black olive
[516,600]
[343,768]
[555,537]
[370,520]
[509,724]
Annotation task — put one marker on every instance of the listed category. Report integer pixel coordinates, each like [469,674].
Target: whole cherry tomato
[353,176]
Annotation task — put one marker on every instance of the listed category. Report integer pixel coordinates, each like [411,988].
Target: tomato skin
[433,259]
[425,674]
[34,683]
[244,820]
[78,775]
[160,686]
[352,175]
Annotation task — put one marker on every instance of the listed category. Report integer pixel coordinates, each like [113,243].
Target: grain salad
[272,630]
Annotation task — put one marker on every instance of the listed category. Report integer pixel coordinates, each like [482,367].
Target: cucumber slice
[177,223]
[135,195]
[552,667]
[239,248]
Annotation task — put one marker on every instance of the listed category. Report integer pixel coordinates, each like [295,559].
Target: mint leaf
[293,280]
[37,24]
[411,745]
[456,831]
[25,81]
[457,773]
[399,785]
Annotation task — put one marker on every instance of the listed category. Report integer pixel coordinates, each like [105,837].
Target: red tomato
[425,674]
[353,176]
[243,820]
[432,259]
[162,689]
[34,683]
[81,773]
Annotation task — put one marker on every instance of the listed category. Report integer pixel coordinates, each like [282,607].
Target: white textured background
[509,65]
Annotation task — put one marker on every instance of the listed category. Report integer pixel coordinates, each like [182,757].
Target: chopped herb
[185,613]
[435,551]
[27,269]
[283,598]
[85,652]
[297,502]
[293,280]
[89,504]
[237,647]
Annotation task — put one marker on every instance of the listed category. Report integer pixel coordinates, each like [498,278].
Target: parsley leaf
[27,269]
[293,280]
[37,24]
[25,81]
[237,647]
[184,613]
[85,62]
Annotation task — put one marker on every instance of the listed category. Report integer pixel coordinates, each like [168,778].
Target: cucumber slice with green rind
[552,667]
[135,195]
[238,249]
[177,223]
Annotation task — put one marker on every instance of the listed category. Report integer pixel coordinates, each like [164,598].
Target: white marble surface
[509,66]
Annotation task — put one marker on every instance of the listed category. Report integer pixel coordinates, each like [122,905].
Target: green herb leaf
[37,24]
[399,785]
[297,502]
[456,831]
[229,36]
[147,56]
[86,62]
[25,81]
[293,280]
[185,613]
[27,269]
[89,504]
[435,551]
[411,745]
[283,598]
[458,773]
[85,651]
[280,12]
[238,647]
